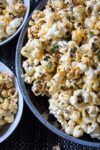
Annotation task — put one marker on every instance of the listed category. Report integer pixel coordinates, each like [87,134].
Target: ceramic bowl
[9,129]
[39,105]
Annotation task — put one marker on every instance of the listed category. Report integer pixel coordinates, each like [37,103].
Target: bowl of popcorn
[58,54]
[11,102]
[13,15]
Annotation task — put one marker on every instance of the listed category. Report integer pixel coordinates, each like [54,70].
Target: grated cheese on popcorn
[63,63]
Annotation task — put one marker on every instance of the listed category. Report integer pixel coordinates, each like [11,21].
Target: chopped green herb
[49,65]
[94,47]
[91,34]
[55,48]
[46,58]
[73,49]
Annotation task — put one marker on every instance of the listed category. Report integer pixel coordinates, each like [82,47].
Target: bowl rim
[26,96]
[11,128]
[20,27]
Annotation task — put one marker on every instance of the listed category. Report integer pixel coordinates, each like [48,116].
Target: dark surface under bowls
[39,105]
[31,134]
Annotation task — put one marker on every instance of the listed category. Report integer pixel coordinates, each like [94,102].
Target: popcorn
[78,132]
[38,88]
[62,63]
[78,35]
[69,130]
[20,9]
[75,116]
[90,112]
[8,99]
[79,12]
[11,17]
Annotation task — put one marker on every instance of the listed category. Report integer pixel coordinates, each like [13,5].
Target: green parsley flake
[94,47]
[91,34]
[49,65]
[55,48]
[46,58]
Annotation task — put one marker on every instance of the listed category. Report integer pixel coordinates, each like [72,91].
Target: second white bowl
[27,4]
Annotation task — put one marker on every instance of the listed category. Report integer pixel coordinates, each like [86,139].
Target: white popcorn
[39,72]
[49,15]
[35,44]
[78,132]
[16,22]
[10,30]
[62,43]
[82,67]
[63,50]
[74,100]
[69,130]
[52,31]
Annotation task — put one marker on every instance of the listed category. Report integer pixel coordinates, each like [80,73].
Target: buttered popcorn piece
[63,62]
[11,17]
[14,24]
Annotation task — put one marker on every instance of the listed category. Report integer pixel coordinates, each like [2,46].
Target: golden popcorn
[8,99]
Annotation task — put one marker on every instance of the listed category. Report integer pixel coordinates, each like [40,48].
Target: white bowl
[27,4]
[12,127]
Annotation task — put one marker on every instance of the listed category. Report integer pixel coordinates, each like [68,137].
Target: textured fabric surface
[31,134]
